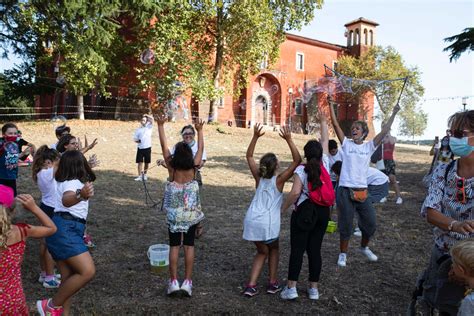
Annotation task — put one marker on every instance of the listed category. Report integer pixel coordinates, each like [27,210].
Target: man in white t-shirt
[143,139]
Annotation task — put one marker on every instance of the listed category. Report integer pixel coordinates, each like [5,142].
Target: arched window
[349,39]
[371,33]
[366,37]
[357,33]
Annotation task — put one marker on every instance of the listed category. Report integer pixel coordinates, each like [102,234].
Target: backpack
[324,195]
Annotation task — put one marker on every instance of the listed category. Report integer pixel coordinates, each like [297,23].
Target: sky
[416,29]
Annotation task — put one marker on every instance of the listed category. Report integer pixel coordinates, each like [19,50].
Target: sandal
[199,231]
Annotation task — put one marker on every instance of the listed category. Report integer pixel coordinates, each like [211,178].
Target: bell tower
[360,35]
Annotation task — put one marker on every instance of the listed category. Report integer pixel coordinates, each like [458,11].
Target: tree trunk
[80,106]
[219,59]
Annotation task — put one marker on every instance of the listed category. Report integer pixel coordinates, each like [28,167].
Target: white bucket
[159,257]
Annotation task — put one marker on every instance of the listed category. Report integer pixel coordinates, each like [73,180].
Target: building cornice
[314,42]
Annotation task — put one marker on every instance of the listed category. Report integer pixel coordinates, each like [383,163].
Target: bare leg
[81,271]
[139,166]
[313,285]
[43,249]
[66,272]
[173,258]
[273,258]
[364,242]
[393,181]
[146,168]
[258,262]
[344,245]
[188,262]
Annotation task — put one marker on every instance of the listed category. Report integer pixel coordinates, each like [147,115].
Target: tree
[461,43]
[240,33]
[378,65]
[413,123]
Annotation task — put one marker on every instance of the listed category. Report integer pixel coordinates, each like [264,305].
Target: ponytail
[42,154]
[313,151]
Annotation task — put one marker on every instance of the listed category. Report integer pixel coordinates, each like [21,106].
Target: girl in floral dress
[12,247]
[182,205]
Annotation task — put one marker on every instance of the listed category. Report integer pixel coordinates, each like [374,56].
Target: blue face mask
[460,146]
[191,144]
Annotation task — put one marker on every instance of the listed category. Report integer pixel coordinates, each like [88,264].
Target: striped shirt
[442,198]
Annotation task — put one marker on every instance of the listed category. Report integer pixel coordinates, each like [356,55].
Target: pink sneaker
[45,310]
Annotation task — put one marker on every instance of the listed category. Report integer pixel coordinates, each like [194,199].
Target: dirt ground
[123,227]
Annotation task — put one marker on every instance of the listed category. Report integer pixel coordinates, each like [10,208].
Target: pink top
[12,298]
[388,150]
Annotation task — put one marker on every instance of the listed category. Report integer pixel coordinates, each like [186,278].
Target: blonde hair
[463,254]
[5,225]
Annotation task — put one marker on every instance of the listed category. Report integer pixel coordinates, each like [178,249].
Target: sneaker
[289,293]
[173,287]
[383,200]
[52,284]
[273,288]
[399,200]
[88,241]
[313,293]
[341,261]
[357,232]
[42,277]
[368,253]
[44,309]
[145,178]
[187,287]
[139,178]
[250,290]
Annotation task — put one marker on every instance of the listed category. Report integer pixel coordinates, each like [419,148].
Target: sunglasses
[457,133]
[188,134]
[461,190]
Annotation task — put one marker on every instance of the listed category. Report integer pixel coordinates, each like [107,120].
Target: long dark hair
[182,158]
[63,142]
[313,151]
[268,165]
[74,166]
[41,155]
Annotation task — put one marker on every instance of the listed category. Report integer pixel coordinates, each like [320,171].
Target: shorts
[68,240]
[143,155]
[48,210]
[9,183]
[188,237]
[378,192]
[389,167]
[270,241]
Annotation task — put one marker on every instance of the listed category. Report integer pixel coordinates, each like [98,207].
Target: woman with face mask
[449,207]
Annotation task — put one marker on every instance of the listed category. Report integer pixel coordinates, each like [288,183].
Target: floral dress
[182,205]
[12,298]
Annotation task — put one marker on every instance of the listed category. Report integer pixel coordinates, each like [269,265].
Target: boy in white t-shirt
[352,192]
[143,139]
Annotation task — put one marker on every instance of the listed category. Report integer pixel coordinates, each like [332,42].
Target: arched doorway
[261,110]
[265,100]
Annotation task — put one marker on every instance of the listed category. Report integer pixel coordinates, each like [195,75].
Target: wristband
[78,195]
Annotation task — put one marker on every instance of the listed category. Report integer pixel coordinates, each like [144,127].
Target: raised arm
[335,123]
[324,140]
[47,229]
[199,128]
[161,133]
[285,133]
[257,132]
[387,126]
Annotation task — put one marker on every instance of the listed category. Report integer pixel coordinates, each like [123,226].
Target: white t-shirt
[80,209]
[376,177]
[194,149]
[467,306]
[47,186]
[356,159]
[54,146]
[304,179]
[332,160]
[143,134]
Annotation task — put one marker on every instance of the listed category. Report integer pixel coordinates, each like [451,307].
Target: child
[60,131]
[44,166]
[74,188]
[352,190]
[262,222]
[334,155]
[310,237]
[182,205]
[463,267]
[9,154]
[12,247]
[143,139]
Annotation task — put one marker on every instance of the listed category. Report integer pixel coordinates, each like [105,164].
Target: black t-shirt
[22,143]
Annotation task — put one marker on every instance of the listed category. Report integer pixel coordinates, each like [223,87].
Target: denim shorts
[68,240]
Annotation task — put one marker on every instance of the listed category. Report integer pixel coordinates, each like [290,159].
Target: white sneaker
[187,287]
[368,253]
[313,293]
[139,178]
[289,293]
[173,286]
[357,232]
[383,200]
[399,200]
[145,178]
[342,259]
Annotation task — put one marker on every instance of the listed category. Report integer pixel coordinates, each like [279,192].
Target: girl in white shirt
[74,188]
[353,183]
[44,166]
[262,221]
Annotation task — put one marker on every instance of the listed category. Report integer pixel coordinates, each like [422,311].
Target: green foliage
[15,98]
[461,43]
[414,122]
[385,64]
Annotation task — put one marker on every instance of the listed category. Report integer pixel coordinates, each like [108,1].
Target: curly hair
[5,224]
